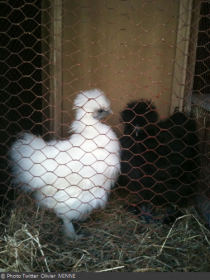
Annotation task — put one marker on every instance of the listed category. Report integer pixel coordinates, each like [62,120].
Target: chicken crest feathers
[91,100]
[140,112]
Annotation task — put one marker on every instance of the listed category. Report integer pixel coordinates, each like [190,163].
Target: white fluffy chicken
[72,176]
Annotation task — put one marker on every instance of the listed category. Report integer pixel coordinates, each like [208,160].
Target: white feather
[73,176]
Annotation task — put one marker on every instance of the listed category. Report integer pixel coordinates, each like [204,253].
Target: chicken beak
[137,129]
[101,116]
[107,112]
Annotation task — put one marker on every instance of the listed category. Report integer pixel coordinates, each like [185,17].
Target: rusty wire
[131,50]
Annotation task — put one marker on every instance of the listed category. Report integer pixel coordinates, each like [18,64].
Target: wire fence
[104,135]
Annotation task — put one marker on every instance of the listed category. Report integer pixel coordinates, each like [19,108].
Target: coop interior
[152,51]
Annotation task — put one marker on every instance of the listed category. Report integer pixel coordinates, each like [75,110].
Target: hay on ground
[31,240]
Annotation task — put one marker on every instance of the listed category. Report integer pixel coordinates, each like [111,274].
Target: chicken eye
[101,110]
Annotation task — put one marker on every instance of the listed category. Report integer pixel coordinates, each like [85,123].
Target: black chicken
[159,160]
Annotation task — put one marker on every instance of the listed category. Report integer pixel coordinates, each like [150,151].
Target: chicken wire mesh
[136,52]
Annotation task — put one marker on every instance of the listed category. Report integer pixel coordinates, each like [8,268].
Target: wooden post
[181,54]
[52,67]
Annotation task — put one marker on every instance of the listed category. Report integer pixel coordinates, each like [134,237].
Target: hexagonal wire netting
[115,182]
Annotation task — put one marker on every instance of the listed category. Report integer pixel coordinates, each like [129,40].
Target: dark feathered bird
[159,159]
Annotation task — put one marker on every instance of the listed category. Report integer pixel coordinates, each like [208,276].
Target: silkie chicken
[72,176]
[159,161]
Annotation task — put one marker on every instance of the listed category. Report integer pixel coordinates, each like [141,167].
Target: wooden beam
[181,54]
[52,67]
